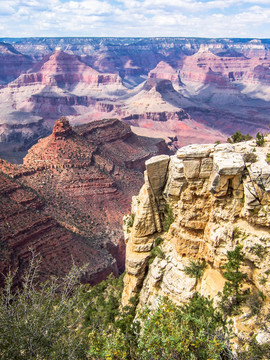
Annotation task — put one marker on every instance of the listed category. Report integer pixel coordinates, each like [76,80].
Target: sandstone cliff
[196,206]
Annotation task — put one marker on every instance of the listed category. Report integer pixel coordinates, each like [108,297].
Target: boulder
[225,163]
[195,151]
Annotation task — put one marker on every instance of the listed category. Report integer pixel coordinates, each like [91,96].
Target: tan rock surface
[220,198]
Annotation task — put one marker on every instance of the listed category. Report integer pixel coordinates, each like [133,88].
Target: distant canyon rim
[185,90]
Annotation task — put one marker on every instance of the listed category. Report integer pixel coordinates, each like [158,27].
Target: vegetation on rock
[192,331]
[156,252]
[260,139]
[64,320]
[195,269]
[232,294]
[238,137]
[168,218]
[130,221]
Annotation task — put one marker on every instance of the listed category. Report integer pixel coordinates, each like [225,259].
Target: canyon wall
[27,229]
[196,206]
[68,198]
[183,89]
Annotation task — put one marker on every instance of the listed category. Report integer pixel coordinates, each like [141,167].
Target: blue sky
[200,18]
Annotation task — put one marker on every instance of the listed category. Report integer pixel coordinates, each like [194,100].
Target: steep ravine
[219,196]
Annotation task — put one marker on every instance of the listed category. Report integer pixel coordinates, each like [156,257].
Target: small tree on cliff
[260,139]
[233,294]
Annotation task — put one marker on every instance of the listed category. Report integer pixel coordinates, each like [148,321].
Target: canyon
[182,89]
[67,200]
[119,98]
[81,119]
[194,208]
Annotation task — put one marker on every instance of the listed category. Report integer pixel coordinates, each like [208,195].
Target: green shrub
[131,221]
[156,252]
[236,233]
[158,240]
[102,302]
[232,294]
[195,269]
[258,250]
[260,139]
[192,331]
[118,339]
[238,137]
[41,321]
[168,218]
[254,302]
[255,351]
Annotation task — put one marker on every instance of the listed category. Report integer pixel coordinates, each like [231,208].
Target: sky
[135,18]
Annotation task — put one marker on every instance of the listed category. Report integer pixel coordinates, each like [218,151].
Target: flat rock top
[195,151]
[157,159]
[230,163]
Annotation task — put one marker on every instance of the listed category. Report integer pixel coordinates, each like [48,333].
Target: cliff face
[85,177]
[214,197]
[12,63]
[220,69]
[58,85]
[25,227]
[64,70]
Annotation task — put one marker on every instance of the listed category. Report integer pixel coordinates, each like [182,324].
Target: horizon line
[135,37]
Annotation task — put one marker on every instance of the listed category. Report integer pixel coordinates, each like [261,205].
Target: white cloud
[259,2]
[135,18]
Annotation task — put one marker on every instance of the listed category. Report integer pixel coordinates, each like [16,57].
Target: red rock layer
[25,227]
[164,71]
[86,177]
[208,68]
[64,70]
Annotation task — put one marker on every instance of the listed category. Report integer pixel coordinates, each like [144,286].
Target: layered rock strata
[187,90]
[12,63]
[85,177]
[214,197]
[26,229]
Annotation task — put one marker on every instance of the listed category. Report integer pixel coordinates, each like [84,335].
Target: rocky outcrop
[61,129]
[65,70]
[222,68]
[164,71]
[26,229]
[85,177]
[196,206]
